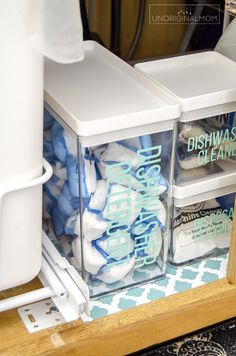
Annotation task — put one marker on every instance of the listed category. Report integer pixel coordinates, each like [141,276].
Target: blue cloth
[52,188]
[48,119]
[66,203]
[226,202]
[58,221]
[58,142]
[48,151]
[73,175]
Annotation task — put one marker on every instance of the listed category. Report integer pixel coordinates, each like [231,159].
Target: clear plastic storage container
[204,84]
[108,135]
[202,222]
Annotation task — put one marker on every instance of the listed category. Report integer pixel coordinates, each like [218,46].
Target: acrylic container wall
[202,228]
[106,207]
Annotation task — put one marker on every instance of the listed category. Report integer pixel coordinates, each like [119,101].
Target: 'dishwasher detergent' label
[213,146]
[134,212]
[199,229]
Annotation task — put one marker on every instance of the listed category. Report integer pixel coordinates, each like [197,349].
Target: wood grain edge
[231,270]
[156,322]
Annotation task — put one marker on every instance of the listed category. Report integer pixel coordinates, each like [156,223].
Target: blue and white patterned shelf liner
[177,280]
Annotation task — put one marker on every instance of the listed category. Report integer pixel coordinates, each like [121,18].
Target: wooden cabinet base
[127,331]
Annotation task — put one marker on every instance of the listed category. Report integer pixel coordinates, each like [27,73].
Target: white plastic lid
[103,94]
[212,194]
[206,188]
[198,80]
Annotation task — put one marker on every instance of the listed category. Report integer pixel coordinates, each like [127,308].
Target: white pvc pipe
[26,298]
[55,289]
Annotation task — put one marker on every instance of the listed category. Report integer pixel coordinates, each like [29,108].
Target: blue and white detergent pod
[107,205]
[108,136]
